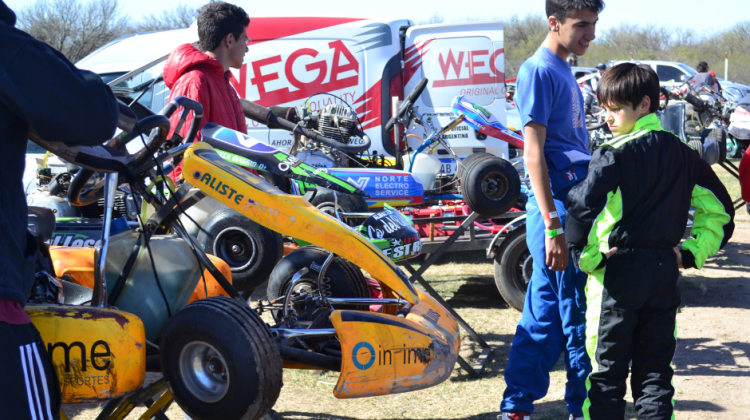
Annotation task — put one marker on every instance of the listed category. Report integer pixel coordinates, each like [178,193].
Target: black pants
[637,309]
[29,388]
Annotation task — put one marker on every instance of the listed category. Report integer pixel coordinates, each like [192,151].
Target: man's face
[577,31]
[622,118]
[238,49]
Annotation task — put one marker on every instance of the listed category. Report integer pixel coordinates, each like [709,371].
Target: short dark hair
[702,67]
[562,9]
[627,84]
[218,19]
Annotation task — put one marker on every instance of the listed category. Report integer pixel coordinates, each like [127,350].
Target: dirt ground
[712,361]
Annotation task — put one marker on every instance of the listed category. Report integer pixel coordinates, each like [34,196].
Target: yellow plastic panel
[288,214]
[383,354]
[99,354]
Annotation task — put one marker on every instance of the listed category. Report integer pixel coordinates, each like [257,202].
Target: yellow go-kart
[219,359]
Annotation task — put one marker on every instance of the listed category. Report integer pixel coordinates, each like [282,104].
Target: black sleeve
[587,200]
[61,102]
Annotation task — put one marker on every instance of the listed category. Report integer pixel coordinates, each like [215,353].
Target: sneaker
[572,417]
[518,415]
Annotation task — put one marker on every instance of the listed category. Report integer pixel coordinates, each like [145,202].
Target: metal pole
[396,131]
[99,298]
[726,66]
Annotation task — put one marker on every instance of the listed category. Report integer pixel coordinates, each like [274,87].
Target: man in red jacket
[203,75]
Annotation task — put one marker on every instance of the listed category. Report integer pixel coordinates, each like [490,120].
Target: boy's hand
[611,252]
[679,257]
[556,248]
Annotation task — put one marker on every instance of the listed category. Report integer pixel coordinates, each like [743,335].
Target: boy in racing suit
[624,223]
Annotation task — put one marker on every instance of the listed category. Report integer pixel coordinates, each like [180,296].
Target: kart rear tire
[698,146]
[491,186]
[720,136]
[468,161]
[251,250]
[513,267]
[324,200]
[347,279]
[227,334]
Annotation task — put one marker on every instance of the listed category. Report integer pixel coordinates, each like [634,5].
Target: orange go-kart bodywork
[78,262]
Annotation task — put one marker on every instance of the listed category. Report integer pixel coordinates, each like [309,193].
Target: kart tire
[227,335]
[468,161]
[491,186]
[251,250]
[513,267]
[692,129]
[347,279]
[720,136]
[324,200]
[698,146]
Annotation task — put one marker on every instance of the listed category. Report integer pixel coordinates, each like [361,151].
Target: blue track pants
[553,323]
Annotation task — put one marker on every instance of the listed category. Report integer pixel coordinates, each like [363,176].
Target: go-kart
[218,357]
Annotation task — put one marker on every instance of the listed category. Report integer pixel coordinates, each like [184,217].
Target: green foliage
[523,35]
[78,27]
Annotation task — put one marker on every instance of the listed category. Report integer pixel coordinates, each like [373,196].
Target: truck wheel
[513,267]
[250,249]
[474,157]
[347,279]
[221,361]
[324,200]
[491,186]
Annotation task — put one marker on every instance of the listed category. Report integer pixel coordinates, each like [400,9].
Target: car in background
[579,72]
[733,91]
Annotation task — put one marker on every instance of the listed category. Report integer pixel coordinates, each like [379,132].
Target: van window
[669,73]
[462,66]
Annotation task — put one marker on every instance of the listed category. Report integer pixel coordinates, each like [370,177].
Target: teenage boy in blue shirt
[556,157]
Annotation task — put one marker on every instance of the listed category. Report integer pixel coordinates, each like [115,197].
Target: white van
[314,62]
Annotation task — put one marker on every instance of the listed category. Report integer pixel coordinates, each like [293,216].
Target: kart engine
[336,122]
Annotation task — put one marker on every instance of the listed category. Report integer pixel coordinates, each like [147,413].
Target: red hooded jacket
[189,72]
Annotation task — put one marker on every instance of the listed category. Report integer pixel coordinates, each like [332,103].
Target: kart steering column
[99,298]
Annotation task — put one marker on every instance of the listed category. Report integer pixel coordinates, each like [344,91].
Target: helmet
[393,233]
[601,66]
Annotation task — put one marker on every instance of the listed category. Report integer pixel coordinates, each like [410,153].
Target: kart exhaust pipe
[321,361]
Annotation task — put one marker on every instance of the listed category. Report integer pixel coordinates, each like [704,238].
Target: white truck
[313,62]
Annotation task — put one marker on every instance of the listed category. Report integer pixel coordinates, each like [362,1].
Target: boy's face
[622,118]
[238,49]
[577,31]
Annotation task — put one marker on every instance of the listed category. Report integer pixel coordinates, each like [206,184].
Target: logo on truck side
[343,61]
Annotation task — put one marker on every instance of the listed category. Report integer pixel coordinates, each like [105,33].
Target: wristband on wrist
[551,215]
[551,233]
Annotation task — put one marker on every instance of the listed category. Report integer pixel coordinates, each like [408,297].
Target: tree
[181,17]
[522,37]
[436,18]
[74,28]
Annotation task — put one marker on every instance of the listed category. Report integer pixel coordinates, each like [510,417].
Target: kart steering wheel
[82,193]
[407,104]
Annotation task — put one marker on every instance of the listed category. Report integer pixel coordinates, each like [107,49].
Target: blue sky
[685,13]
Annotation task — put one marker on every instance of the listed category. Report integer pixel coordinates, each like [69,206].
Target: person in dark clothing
[703,77]
[623,227]
[39,88]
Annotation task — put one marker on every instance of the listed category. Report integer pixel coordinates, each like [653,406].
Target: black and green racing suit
[637,197]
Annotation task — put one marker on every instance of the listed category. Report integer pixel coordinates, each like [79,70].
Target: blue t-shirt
[548,94]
